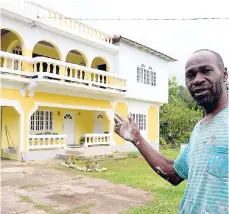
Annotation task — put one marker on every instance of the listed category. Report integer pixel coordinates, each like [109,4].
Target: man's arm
[159,163]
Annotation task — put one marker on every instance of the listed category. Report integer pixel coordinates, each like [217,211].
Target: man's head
[206,77]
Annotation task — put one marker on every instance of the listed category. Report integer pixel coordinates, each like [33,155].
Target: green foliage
[179,116]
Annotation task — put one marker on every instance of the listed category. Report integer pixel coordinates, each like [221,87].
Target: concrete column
[110,115]
[28,108]
[27,52]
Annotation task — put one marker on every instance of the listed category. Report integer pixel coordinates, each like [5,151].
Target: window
[140,120]
[102,67]
[146,76]
[17,50]
[41,121]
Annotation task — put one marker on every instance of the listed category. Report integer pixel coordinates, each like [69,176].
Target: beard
[210,99]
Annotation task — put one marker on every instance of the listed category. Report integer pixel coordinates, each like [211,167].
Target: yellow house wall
[106,123]
[27,104]
[76,59]
[98,61]
[153,124]
[122,109]
[10,118]
[70,100]
[57,120]
[84,123]
[7,39]
[46,51]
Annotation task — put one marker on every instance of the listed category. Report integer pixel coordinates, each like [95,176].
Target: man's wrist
[137,139]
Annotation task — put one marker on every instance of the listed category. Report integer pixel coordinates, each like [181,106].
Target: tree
[179,116]
[187,98]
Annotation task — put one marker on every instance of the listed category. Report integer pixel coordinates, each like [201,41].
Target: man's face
[204,79]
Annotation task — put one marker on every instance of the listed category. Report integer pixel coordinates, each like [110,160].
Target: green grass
[137,173]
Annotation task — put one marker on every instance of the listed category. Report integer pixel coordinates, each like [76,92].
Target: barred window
[146,76]
[140,120]
[41,121]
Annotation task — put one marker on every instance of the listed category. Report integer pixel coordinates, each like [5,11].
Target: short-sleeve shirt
[204,163]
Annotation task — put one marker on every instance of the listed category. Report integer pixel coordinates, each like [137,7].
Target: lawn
[137,173]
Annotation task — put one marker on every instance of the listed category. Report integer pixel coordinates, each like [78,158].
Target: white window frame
[140,120]
[17,50]
[41,120]
[146,76]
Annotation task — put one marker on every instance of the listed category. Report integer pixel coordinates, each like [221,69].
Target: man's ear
[225,77]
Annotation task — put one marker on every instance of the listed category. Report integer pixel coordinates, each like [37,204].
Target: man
[204,161]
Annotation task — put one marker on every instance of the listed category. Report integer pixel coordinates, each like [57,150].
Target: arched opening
[100,64]
[13,43]
[10,40]
[11,132]
[76,57]
[49,50]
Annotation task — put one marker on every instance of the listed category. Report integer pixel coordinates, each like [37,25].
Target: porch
[52,127]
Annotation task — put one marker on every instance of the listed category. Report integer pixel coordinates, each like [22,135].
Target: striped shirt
[204,163]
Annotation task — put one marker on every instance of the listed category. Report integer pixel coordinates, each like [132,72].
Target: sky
[178,39]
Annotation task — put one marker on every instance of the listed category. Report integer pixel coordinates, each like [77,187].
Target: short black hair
[218,58]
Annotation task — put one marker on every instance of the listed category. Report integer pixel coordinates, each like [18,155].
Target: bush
[178,117]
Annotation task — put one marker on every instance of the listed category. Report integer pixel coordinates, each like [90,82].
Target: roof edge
[117,39]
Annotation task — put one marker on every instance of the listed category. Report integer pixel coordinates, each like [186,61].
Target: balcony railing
[47,16]
[47,141]
[96,139]
[55,70]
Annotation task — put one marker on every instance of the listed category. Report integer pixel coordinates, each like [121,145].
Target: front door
[69,128]
[98,123]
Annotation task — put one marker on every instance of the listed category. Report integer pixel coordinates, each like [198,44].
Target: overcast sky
[178,39]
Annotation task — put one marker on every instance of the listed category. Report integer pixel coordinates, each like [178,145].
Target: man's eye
[190,75]
[206,70]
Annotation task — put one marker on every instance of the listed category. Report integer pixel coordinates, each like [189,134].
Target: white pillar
[110,115]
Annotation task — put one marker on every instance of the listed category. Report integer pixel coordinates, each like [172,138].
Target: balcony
[42,71]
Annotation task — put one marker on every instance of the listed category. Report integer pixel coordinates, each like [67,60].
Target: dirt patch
[39,188]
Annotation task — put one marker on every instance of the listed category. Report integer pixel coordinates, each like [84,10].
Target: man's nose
[199,79]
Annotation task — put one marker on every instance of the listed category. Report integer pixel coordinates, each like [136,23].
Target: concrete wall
[129,59]
[10,122]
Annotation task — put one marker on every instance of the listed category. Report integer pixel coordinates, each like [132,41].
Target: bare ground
[38,188]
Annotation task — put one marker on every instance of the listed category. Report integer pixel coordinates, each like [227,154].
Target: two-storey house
[62,81]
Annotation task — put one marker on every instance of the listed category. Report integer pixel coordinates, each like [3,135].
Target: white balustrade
[47,15]
[77,74]
[47,141]
[14,62]
[96,139]
[43,67]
